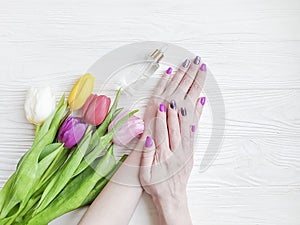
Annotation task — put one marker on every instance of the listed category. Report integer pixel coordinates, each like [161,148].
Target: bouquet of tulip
[71,158]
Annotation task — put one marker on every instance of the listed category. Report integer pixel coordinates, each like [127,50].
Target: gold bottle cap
[157,55]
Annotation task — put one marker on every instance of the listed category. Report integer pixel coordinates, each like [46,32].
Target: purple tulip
[129,130]
[71,131]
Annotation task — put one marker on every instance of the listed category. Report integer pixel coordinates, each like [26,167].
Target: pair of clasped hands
[163,158]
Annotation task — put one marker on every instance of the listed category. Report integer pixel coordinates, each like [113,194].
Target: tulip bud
[133,127]
[81,91]
[95,109]
[39,104]
[71,131]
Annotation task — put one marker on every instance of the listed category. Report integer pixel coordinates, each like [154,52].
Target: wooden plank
[252,48]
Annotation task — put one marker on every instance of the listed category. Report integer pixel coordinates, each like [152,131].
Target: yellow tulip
[81,91]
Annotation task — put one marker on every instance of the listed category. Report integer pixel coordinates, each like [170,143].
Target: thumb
[147,161]
[148,152]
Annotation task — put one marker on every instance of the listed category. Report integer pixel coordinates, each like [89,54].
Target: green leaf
[28,209]
[103,142]
[6,221]
[42,167]
[6,189]
[116,113]
[104,125]
[46,125]
[87,160]
[65,174]
[74,194]
[49,149]
[101,183]
[55,165]
[53,150]
[26,174]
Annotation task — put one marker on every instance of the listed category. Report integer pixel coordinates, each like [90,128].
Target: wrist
[167,199]
[173,209]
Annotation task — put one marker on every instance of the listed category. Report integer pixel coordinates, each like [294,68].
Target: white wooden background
[251,46]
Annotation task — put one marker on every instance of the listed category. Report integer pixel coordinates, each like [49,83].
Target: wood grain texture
[253,49]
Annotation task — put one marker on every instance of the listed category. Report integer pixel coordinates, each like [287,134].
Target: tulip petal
[71,131]
[129,131]
[117,118]
[67,125]
[89,115]
[102,107]
[87,104]
[81,91]
[74,135]
[96,109]
[133,127]
[39,104]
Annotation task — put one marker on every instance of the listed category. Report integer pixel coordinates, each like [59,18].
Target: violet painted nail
[162,107]
[148,142]
[186,63]
[173,104]
[169,70]
[183,111]
[193,128]
[197,60]
[202,100]
[203,67]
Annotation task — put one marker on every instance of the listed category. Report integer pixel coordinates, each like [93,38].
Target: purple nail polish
[202,100]
[193,128]
[162,107]
[186,63]
[197,60]
[169,70]
[148,142]
[203,67]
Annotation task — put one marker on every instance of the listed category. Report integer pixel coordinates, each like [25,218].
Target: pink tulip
[133,127]
[95,109]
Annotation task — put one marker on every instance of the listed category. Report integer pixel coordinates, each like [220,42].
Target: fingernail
[183,111]
[148,142]
[202,100]
[193,128]
[169,70]
[162,107]
[203,67]
[173,104]
[186,63]
[197,60]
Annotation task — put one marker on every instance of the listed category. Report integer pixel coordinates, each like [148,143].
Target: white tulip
[39,104]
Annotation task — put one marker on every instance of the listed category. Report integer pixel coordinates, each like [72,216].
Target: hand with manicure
[164,153]
[167,158]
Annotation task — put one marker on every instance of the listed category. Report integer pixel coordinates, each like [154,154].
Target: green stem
[65,117]
[38,127]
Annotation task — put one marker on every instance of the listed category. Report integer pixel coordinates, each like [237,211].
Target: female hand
[110,199]
[168,158]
